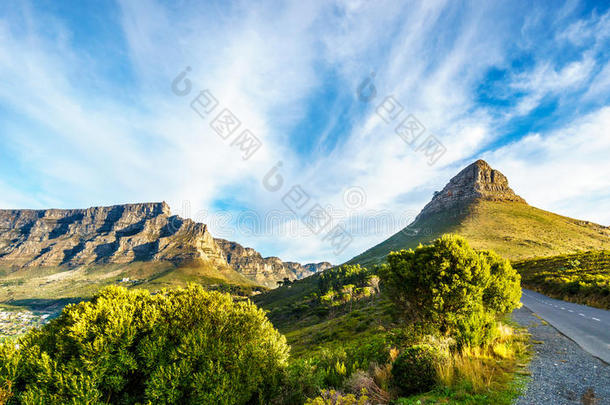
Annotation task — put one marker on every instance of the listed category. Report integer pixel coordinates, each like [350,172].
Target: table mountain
[99,235]
[131,233]
[479,204]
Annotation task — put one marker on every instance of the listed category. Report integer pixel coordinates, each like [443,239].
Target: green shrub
[332,365]
[437,282]
[503,294]
[185,346]
[303,380]
[414,371]
[452,286]
[336,398]
[373,349]
[475,329]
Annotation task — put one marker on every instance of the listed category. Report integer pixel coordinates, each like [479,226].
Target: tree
[185,346]
[329,299]
[452,286]
[348,294]
[374,284]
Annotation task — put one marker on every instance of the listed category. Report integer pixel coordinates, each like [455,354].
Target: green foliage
[437,282]
[503,293]
[333,344]
[303,380]
[336,398]
[337,278]
[476,328]
[414,370]
[184,346]
[453,286]
[346,284]
[329,294]
[581,277]
[331,367]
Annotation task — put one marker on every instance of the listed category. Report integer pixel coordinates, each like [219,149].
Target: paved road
[587,326]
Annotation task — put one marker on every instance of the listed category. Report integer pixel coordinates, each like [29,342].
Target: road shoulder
[562,372]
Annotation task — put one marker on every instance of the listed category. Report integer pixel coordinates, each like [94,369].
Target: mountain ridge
[478,204]
[125,234]
[264,270]
[476,181]
[99,235]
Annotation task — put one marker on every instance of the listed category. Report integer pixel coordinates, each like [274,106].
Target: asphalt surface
[588,327]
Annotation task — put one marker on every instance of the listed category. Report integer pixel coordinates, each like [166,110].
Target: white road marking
[569,310]
[581,314]
[595,319]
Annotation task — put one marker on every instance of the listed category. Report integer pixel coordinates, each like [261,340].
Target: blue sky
[88,116]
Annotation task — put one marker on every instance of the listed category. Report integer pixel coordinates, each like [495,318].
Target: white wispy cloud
[545,80]
[565,170]
[88,138]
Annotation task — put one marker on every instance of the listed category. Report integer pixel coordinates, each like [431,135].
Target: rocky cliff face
[476,181]
[129,233]
[269,270]
[117,234]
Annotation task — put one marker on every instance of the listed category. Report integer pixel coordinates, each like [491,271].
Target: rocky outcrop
[116,234]
[266,271]
[476,181]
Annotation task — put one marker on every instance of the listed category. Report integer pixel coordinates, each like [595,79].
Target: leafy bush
[452,286]
[335,279]
[414,371]
[503,293]
[374,349]
[185,346]
[475,328]
[303,380]
[336,398]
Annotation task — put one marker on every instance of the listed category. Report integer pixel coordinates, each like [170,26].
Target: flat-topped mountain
[479,204]
[123,235]
[100,235]
[266,271]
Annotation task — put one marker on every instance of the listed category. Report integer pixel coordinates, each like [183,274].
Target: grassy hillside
[514,230]
[583,278]
[40,285]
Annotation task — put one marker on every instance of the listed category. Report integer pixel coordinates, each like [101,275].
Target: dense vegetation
[185,346]
[452,287]
[583,278]
[427,326]
[348,330]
